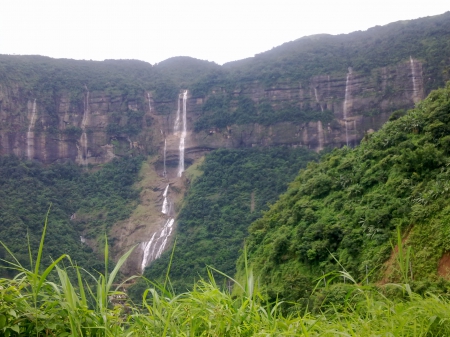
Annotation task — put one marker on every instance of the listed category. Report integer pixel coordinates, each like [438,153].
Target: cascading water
[320,134]
[165,206]
[165,150]
[413,74]
[149,103]
[183,135]
[154,248]
[82,151]
[165,233]
[146,246]
[30,133]
[347,97]
[317,99]
[176,127]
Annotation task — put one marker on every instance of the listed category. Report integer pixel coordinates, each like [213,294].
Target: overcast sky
[219,31]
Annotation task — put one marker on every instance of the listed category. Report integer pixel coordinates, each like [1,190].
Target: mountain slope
[233,191]
[348,206]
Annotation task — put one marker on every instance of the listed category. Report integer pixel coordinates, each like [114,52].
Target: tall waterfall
[176,127]
[317,98]
[154,248]
[149,103]
[82,151]
[165,206]
[30,133]
[346,101]
[183,134]
[165,150]
[320,135]
[146,246]
[413,74]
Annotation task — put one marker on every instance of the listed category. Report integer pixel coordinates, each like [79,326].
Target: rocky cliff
[82,129]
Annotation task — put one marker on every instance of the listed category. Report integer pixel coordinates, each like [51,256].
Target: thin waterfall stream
[183,135]
[413,75]
[153,248]
[83,150]
[30,133]
[347,98]
[165,151]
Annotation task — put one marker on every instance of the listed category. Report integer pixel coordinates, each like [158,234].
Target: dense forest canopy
[79,203]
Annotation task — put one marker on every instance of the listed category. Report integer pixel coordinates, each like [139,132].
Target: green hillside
[425,38]
[233,190]
[347,208]
[81,203]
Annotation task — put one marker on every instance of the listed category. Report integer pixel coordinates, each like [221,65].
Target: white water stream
[347,98]
[149,103]
[165,206]
[183,134]
[154,248]
[82,151]
[165,150]
[317,99]
[320,135]
[30,133]
[146,246]
[176,127]
[413,73]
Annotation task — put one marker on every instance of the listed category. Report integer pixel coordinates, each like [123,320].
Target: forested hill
[342,213]
[426,39]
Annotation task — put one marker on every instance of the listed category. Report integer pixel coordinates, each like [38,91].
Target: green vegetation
[235,188]
[295,63]
[94,200]
[217,112]
[344,211]
[381,46]
[33,305]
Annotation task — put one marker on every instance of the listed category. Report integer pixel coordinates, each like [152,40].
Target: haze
[219,31]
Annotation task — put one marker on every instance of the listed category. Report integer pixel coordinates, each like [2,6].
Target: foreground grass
[45,302]
[57,309]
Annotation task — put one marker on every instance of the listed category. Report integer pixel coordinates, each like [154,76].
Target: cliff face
[94,126]
[87,128]
[71,129]
[359,104]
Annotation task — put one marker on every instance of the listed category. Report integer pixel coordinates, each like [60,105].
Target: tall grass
[47,302]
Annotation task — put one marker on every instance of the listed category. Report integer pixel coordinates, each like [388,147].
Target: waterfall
[146,248]
[165,233]
[165,149]
[413,74]
[165,206]
[183,135]
[30,134]
[320,135]
[317,98]
[155,247]
[82,152]
[176,127]
[347,98]
[149,103]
